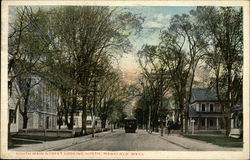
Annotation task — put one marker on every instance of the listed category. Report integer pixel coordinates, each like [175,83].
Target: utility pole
[145,104]
[161,101]
[94,107]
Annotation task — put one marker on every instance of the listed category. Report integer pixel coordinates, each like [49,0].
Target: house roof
[130,118]
[237,108]
[201,94]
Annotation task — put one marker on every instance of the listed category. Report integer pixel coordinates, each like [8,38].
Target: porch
[205,123]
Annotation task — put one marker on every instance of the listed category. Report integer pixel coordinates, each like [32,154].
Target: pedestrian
[169,127]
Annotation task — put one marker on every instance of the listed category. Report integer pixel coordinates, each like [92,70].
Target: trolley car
[130,124]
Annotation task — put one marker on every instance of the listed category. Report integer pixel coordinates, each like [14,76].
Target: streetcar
[130,124]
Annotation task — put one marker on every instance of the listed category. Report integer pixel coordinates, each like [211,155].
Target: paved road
[120,141]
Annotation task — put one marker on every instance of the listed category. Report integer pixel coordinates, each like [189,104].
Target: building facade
[43,103]
[41,107]
[205,111]
[78,121]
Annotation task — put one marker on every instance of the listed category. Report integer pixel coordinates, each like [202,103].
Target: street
[121,141]
[143,141]
[118,140]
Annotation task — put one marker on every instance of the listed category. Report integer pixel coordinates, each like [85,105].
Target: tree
[180,49]
[223,33]
[28,43]
[114,96]
[155,74]
[85,34]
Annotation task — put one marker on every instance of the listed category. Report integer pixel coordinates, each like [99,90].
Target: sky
[157,18]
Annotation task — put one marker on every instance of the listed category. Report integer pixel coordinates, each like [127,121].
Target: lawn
[219,140]
[18,143]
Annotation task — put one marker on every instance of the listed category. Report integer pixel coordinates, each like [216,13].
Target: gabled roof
[201,94]
[238,107]
[130,118]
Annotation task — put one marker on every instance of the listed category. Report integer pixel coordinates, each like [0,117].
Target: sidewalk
[59,144]
[193,144]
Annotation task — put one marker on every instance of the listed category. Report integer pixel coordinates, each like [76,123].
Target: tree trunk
[181,115]
[84,115]
[228,123]
[111,127]
[25,121]
[181,123]
[9,135]
[103,122]
[149,119]
[186,122]
[73,108]
[24,113]
[177,116]
[71,122]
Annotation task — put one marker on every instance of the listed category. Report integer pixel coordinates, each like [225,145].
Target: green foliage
[211,34]
[67,48]
[219,140]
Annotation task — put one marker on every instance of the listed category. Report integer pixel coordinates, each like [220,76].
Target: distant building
[205,110]
[78,121]
[173,112]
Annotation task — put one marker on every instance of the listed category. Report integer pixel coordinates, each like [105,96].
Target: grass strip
[219,140]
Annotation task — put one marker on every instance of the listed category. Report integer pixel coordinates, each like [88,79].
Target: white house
[78,121]
[205,110]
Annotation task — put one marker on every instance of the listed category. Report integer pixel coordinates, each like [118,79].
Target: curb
[68,142]
[88,138]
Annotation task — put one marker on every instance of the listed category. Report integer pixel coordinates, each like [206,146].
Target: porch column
[206,123]
[232,123]
[217,123]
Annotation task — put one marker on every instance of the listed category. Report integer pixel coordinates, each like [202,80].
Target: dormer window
[211,106]
[203,107]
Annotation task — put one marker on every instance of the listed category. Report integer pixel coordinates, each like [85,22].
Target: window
[211,122]
[203,122]
[12,116]
[211,107]
[203,107]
